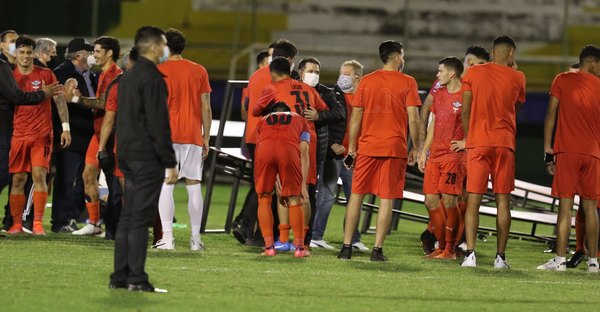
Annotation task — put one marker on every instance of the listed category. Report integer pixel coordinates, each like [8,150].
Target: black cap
[79,44]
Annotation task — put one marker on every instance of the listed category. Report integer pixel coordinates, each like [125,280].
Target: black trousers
[68,197]
[143,181]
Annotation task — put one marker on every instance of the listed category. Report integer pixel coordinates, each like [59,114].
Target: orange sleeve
[555,88]
[205,84]
[467,80]
[266,97]
[358,99]
[412,97]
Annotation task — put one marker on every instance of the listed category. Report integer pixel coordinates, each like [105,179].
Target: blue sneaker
[279,246]
[292,246]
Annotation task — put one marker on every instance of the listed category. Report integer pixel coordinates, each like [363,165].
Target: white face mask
[345,83]
[269,59]
[166,53]
[91,61]
[292,68]
[12,49]
[311,79]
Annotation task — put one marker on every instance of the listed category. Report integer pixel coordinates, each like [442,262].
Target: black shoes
[428,242]
[345,252]
[377,255]
[145,286]
[116,285]
[576,259]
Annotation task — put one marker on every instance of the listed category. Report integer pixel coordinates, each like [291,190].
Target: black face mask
[52,63]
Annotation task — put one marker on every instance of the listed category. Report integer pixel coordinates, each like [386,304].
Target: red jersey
[106,77]
[578,127]
[447,108]
[111,99]
[258,81]
[496,89]
[349,97]
[186,82]
[35,121]
[282,128]
[384,96]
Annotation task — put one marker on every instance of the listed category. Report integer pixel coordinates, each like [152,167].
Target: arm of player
[63,114]
[266,97]
[108,122]
[427,143]
[89,102]
[425,110]
[413,126]
[244,108]
[549,122]
[206,122]
[354,128]
[305,159]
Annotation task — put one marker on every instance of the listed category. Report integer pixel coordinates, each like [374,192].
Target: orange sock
[580,230]
[452,221]
[437,218]
[284,232]
[17,206]
[297,221]
[462,207]
[93,210]
[39,205]
[265,219]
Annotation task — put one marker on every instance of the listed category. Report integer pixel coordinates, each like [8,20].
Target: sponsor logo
[36,84]
[456,106]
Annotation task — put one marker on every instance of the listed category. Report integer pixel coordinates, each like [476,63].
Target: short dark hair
[272,45]
[387,48]
[133,54]
[261,56]
[148,34]
[575,66]
[505,40]
[175,40]
[589,52]
[6,32]
[453,63]
[479,52]
[284,48]
[24,41]
[110,43]
[308,60]
[279,107]
[280,66]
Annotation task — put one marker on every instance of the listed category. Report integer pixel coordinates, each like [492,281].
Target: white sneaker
[360,246]
[470,261]
[196,244]
[553,265]
[500,263]
[320,244]
[592,267]
[88,229]
[164,244]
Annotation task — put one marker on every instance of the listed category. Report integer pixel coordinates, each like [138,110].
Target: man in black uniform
[144,151]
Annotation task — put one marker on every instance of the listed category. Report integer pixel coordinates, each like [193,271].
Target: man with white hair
[45,53]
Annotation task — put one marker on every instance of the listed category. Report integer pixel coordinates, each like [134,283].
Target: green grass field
[60,272]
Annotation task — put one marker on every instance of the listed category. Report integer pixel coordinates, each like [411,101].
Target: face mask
[311,79]
[91,61]
[52,62]
[165,56]
[269,59]
[12,49]
[345,83]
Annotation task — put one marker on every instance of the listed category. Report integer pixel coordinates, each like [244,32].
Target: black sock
[347,245]
[470,251]
[502,255]
[378,249]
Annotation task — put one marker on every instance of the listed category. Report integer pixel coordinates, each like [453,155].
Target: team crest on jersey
[36,84]
[456,106]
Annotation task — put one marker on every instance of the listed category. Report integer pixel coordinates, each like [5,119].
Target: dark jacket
[337,131]
[327,129]
[144,133]
[81,119]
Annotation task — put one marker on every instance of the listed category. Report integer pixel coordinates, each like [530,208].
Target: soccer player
[32,138]
[282,151]
[574,160]
[106,53]
[492,93]
[385,103]
[262,60]
[190,118]
[444,169]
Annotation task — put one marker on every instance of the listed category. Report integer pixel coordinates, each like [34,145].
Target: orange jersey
[384,96]
[258,81]
[578,127]
[106,77]
[186,82]
[282,128]
[35,121]
[447,108]
[496,89]
[349,97]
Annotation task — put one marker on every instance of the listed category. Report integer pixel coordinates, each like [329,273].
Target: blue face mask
[345,83]
[165,56]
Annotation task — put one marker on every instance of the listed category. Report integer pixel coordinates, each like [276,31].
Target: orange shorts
[576,174]
[381,176]
[25,154]
[271,160]
[499,162]
[444,177]
[91,156]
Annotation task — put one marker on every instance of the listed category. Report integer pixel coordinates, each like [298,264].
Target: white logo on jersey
[36,84]
[456,106]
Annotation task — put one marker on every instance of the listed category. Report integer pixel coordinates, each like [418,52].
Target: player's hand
[52,89]
[422,161]
[311,114]
[338,149]
[457,146]
[413,157]
[172,176]
[277,185]
[305,197]
[205,149]
[550,169]
[65,139]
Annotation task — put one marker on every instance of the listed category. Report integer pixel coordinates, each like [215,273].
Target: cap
[79,44]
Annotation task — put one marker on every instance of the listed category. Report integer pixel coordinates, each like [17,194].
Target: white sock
[167,235]
[166,208]
[195,207]
[559,260]
[593,260]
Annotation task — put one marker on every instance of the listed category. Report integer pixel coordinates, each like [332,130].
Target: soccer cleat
[38,229]
[301,253]
[576,259]
[145,286]
[28,226]
[360,246]
[470,261]
[500,263]
[427,242]
[553,265]
[320,244]
[433,254]
[196,244]
[15,229]
[88,229]
[269,252]
[73,225]
[446,255]
[279,246]
[377,255]
[164,244]
[345,252]
[592,267]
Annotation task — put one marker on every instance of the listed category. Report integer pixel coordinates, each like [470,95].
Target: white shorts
[189,161]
